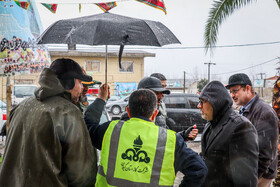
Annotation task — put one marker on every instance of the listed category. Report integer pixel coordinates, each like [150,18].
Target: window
[126,67]
[193,102]
[93,66]
[175,102]
[22,91]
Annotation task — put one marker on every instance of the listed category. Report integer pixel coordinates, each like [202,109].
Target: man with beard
[265,120]
[162,107]
[83,102]
[229,141]
[47,141]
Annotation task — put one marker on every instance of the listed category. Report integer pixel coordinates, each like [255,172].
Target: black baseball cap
[152,83]
[238,79]
[66,68]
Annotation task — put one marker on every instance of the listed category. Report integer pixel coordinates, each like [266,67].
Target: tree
[201,84]
[219,12]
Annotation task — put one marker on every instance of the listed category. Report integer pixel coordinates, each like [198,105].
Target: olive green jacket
[48,143]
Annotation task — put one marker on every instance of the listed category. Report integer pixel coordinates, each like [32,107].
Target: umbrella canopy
[108,29]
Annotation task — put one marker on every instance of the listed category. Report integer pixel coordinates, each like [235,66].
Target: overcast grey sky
[255,23]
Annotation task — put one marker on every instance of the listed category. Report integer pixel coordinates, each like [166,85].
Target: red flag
[51,7]
[159,4]
[106,6]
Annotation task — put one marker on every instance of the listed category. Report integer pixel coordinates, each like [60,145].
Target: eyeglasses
[201,102]
[234,91]
[164,85]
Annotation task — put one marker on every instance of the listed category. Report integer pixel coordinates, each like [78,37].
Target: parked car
[22,91]
[182,109]
[117,107]
[105,116]
[114,98]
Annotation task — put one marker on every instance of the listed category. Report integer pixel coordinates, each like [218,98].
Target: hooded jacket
[48,143]
[229,142]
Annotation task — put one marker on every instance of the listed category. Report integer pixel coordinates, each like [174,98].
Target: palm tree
[219,12]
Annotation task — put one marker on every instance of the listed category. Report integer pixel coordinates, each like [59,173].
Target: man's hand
[193,133]
[190,133]
[104,92]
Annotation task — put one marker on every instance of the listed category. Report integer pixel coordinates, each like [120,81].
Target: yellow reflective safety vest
[137,153]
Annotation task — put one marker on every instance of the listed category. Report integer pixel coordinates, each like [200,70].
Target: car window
[193,102]
[20,91]
[175,102]
[114,98]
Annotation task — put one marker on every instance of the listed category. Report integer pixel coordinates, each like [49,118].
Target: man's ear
[127,110]
[248,88]
[153,117]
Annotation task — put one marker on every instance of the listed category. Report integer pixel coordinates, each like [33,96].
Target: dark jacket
[48,143]
[186,160]
[159,121]
[266,122]
[229,142]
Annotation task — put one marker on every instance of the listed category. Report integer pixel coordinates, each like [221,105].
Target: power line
[247,67]
[202,47]
[182,47]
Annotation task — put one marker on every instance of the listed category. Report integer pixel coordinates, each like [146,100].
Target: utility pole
[184,82]
[209,64]
[9,100]
[263,81]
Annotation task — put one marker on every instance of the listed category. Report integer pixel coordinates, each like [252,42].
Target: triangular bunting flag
[22,4]
[159,4]
[106,6]
[51,7]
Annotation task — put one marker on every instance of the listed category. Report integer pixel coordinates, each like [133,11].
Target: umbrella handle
[125,38]
[120,55]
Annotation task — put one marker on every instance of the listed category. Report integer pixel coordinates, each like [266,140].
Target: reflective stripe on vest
[157,165]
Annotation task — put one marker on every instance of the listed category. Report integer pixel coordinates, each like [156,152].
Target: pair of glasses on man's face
[201,102]
[234,91]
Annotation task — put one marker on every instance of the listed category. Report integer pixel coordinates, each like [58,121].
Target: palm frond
[278,3]
[219,12]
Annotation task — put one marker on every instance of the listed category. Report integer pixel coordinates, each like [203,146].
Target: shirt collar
[243,108]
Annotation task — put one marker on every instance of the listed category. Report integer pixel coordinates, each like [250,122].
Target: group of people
[51,143]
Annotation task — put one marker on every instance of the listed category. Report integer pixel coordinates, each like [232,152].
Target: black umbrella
[108,29]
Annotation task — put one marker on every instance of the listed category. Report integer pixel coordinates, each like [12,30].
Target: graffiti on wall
[125,88]
[21,57]
[19,53]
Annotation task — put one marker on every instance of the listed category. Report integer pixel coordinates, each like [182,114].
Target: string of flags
[22,4]
[106,6]
[159,4]
[51,7]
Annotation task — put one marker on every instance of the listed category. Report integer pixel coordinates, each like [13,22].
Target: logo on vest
[136,154]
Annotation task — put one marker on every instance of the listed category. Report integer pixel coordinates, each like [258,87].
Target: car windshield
[24,90]
[114,98]
[3,105]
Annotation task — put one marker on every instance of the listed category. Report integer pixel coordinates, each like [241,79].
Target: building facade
[122,81]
